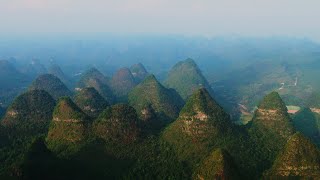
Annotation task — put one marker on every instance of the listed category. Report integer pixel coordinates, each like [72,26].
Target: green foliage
[201,101]
[139,72]
[166,102]
[90,101]
[308,123]
[122,82]
[52,85]
[118,123]
[12,156]
[218,165]
[94,78]
[55,70]
[299,159]
[154,159]
[66,138]
[185,77]
[68,129]
[202,127]
[201,143]
[273,101]
[66,109]
[29,114]
[150,122]
[270,129]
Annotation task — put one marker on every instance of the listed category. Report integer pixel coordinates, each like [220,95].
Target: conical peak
[185,77]
[55,69]
[123,74]
[138,68]
[66,101]
[272,117]
[89,95]
[51,84]
[94,78]
[93,73]
[124,70]
[164,101]
[139,72]
[66,109]
[122,82]
[35,94]
[272,101]
[218,165]
[29,114]
[32,97]
[189,60]
[48,76]
[42,81]
[299,140]
[299,158]
[150,78]
[30,101]
[202,103]
[90,101]
[202,92]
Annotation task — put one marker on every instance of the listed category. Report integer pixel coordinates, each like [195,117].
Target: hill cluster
[131,126]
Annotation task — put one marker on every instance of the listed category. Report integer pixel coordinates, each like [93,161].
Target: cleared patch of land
[293,109]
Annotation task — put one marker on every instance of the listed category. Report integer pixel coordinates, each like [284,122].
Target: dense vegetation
[203,126]
[166,102]
[68,127]
[299,158]
[55,70]
[218,165]
[139,72]
[122,82]
[52,85]
[90,101]
[186,77]
[118,123]
[308,123]
[29,114]
[94,78]
[273,101]
[156,135]
[270,128]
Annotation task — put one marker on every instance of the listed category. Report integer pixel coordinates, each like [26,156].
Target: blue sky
[196,17]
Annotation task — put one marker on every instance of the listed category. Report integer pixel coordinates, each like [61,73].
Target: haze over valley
[159,89]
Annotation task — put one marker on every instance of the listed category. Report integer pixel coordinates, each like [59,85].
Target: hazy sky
[190,17]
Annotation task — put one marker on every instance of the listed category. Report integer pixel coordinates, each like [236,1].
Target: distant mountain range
[132,126]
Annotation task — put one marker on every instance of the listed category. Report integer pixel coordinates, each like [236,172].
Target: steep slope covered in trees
[52,85]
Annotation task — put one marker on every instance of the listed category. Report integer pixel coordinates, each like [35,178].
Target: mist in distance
[293,18]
